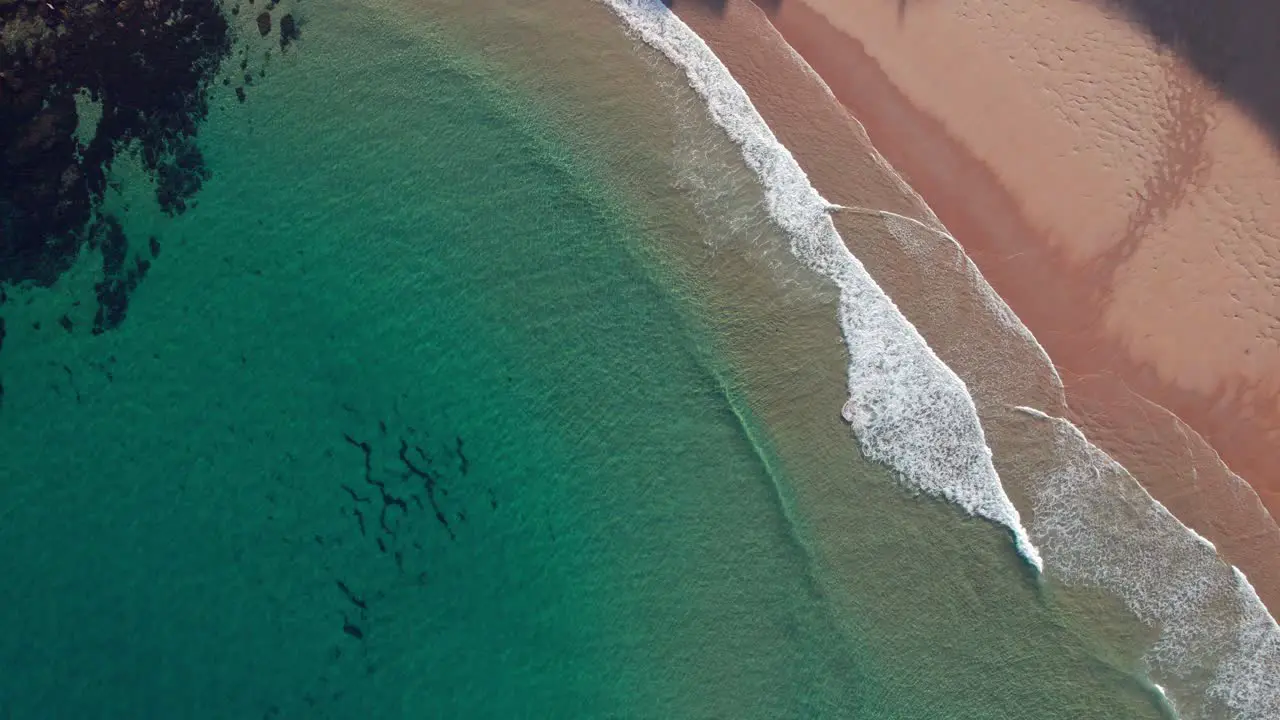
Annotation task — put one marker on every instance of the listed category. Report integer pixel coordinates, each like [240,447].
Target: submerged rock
[146,66]
[288,30]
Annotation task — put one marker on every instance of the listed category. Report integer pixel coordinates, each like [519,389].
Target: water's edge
[892,371]
[910,411]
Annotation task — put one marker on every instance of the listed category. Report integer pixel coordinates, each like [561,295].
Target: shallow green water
[432,276]
[404,424]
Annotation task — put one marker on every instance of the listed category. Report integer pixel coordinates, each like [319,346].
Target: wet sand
[1133,180]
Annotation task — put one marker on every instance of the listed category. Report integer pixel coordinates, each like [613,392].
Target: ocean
[484,377]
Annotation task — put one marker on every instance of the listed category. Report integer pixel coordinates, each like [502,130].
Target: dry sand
[1121,207]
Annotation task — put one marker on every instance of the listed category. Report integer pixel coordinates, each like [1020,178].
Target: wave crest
[1218,651]
[911,412]
[908,410]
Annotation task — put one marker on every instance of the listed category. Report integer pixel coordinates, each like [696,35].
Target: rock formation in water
[142,67]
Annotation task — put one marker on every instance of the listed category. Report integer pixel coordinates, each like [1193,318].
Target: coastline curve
[908,410]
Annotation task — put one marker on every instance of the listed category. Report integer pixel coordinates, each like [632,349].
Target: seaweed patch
[84,83]
[146,66]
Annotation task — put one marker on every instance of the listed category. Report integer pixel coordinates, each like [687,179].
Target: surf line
[1218,652]
[907,409]
[913,414]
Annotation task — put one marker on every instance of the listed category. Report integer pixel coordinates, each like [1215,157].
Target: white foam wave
[1218,645]
[1218,652]
[1164,696]
[908,410]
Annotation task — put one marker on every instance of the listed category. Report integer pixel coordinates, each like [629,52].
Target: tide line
[908,410]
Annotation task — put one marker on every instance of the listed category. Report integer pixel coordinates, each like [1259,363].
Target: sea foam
[1219,650]
[908,410]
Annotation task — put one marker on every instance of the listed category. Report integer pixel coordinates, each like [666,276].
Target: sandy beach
[1111,196]
[486,359]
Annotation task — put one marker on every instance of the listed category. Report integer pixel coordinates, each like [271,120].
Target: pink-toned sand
[1128,213]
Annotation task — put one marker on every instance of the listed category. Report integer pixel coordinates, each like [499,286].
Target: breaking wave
[1218,651]
[908,410]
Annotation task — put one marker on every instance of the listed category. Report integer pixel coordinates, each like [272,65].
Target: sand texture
[1115,199]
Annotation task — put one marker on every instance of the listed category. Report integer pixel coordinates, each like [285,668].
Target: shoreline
[1192,623]
[1105,396]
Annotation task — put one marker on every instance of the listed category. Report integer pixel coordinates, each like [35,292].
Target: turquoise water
[407,421]
[432,277]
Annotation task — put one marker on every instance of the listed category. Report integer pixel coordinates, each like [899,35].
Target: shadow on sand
[1233,44]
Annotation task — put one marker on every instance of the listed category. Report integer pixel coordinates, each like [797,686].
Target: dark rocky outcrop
[120,278]
[180,177]
[288,30]
[145,65]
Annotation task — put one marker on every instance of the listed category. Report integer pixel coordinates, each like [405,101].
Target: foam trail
[1218,653]
[907,408]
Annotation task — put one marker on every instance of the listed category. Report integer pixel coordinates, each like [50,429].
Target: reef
[288,31]
[119,279]
[85,84]
[410,495]
[145,66]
